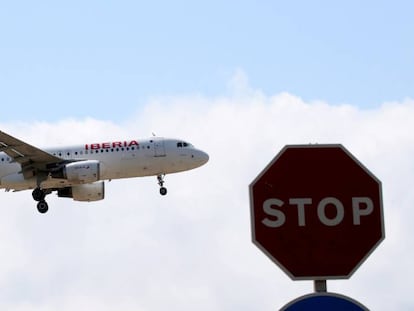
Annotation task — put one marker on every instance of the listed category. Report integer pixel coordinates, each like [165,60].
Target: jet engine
[82,172]
[85,192]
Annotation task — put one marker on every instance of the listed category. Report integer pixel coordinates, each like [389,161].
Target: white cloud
[191,249]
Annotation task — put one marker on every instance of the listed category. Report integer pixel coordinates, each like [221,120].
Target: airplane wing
[30,158]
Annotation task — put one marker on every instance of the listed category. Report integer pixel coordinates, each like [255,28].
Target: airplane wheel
[42,207]
[38,194]
[163,191]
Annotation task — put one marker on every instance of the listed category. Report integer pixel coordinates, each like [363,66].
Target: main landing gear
[163,190]
[39,195]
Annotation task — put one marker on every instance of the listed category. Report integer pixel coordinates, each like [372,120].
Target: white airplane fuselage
[117,159]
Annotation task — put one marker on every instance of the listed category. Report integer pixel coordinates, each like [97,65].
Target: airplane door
[159,147]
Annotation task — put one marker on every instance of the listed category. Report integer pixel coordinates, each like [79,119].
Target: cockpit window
[183,144]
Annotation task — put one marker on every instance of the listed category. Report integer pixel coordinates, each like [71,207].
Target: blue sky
[105,59]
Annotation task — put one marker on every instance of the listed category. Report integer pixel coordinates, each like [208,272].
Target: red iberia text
[109,145]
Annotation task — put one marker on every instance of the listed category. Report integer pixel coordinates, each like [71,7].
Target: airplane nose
[204,157]
[201,157]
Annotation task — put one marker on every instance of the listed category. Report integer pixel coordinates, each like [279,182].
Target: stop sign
[316,211]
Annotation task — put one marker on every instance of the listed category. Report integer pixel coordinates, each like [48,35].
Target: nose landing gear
[160,178]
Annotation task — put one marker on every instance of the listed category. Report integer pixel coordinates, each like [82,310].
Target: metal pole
[320,286]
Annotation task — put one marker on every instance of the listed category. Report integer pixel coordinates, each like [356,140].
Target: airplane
[79,172]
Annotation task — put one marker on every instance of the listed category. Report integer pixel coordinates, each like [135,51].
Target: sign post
[316,211]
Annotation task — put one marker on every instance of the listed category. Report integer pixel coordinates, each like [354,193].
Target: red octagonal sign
[316,212]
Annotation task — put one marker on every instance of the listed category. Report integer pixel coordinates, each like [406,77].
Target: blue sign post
[324,302]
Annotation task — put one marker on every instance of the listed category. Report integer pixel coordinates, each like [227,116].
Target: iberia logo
[109,145]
